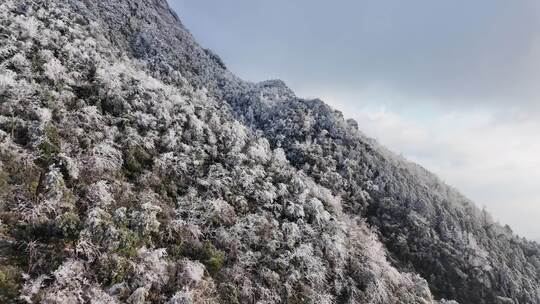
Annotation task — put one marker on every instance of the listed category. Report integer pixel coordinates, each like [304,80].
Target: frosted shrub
[99,194]
[32,287]
[98,296]
[316,212]
[138,296]
[279,157]
[181,297]
[191,272]
[7,80]
[105,158]
[291,233]
[70,286]
[145,219]
[27,26]
[294,211]
[54,70]
[151,267]
[260,151]
[70,272]
[97,222]
[70,165]
[312,265]
[223,212]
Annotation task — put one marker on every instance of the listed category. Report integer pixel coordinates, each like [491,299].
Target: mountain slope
[134,167]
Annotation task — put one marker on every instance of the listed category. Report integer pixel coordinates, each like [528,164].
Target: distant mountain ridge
[135,168]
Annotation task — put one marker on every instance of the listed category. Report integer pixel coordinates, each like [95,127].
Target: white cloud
[491,158]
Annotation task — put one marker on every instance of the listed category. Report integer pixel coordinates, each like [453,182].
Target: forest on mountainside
[135,168]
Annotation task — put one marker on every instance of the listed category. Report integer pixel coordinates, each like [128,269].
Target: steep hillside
[135,168]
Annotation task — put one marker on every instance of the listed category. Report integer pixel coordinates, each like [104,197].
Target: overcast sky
[451,85]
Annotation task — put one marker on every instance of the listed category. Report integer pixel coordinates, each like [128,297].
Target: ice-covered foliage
[134,168]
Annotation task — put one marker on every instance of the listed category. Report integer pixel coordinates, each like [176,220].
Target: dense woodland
[135,168]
